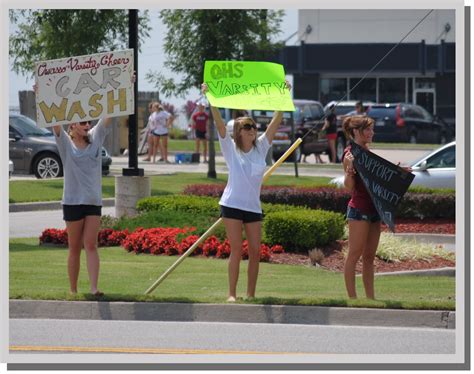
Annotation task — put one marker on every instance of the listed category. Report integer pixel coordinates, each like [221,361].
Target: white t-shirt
[82,167]
[158,122]
[245,174]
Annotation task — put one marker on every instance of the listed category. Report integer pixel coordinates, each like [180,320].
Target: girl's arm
[273,126]
[275,122]
[56,128]
[349,171]
[215,114]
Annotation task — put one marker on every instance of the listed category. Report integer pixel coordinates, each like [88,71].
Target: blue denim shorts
[357,215]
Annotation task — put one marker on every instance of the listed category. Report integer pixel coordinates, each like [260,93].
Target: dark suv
[33,150]
[408,123]
[306,118]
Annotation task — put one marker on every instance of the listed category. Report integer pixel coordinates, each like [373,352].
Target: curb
[282,314]
[444,272]
[47,205]
[429,238]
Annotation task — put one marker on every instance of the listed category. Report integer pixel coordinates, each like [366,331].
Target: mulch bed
[334,256]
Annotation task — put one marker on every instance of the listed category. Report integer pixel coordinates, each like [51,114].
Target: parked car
[408,123]
[437,169]
[346,107]
[33,150]
[307,119]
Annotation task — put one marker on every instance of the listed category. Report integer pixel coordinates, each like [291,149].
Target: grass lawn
[52,189]
[180,145]
[38,272]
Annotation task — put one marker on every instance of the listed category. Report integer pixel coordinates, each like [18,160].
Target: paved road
[45,335]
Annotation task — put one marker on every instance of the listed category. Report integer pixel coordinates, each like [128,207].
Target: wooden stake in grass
[219,221]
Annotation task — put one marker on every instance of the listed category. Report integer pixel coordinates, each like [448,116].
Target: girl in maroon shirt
[363,220]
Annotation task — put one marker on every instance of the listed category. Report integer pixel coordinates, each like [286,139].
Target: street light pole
[133,169]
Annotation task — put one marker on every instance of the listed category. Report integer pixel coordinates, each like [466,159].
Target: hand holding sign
[385,182]
[247,85]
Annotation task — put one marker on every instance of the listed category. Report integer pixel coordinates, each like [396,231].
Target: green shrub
[394,249]
[302,230]
[198,204]
[183,203]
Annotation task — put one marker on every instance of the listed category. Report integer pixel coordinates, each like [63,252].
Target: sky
[152,58]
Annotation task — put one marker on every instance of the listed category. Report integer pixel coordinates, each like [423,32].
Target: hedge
[196,204]
[420,205]
[303,230]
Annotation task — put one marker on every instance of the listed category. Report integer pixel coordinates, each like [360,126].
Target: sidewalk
[236,313]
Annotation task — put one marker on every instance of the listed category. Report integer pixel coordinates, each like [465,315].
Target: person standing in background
[148,134]
[200,121]
[161,122]
[330,126]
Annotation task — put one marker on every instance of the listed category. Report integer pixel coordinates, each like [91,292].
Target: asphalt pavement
[211,338]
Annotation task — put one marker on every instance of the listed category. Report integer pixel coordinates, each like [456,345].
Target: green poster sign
[247,85]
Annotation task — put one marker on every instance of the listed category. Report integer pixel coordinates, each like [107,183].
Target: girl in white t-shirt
[240,203]
[161,122]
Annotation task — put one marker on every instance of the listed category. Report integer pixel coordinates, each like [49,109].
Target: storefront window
[332,89]
[365,90]
[391,90]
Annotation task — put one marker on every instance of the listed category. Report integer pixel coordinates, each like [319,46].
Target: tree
[55,33]
[213,34]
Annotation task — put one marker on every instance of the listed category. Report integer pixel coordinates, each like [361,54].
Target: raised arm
[56,128]
[272,128]
[215,114]
[275,122]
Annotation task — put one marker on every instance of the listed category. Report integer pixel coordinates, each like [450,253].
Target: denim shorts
[78,212]
[357,215]
[241,215]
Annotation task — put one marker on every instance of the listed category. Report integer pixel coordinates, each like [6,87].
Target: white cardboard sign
[84,88]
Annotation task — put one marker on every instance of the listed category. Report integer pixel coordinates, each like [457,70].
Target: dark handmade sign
[386,182]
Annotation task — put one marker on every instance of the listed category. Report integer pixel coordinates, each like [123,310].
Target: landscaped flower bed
[162,241]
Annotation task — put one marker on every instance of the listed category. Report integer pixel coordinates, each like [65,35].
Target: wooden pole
[218,222]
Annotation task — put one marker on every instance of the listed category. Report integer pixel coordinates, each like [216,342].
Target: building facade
[338,47]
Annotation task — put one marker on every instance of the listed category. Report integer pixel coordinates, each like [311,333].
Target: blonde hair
[353,123]
[239,122]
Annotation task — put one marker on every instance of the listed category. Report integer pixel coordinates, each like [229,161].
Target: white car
[435,170]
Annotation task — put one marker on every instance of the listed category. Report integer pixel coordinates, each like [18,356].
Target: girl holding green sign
[240,202]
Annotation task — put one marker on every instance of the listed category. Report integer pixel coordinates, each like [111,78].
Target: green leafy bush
[302,230]
[184,203]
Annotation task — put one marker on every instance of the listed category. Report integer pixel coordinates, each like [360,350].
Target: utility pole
[132,185]
[133,169]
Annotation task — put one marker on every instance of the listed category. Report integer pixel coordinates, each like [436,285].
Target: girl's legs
[253,231]
[358,234]
[233,228]
[74,233]
[156,144]
[91,231]
[368,257]
[332,147]
[150,147]
[197,144]
[204,141]
[164,148]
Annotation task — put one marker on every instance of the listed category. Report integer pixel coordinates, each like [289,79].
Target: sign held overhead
[84,88]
